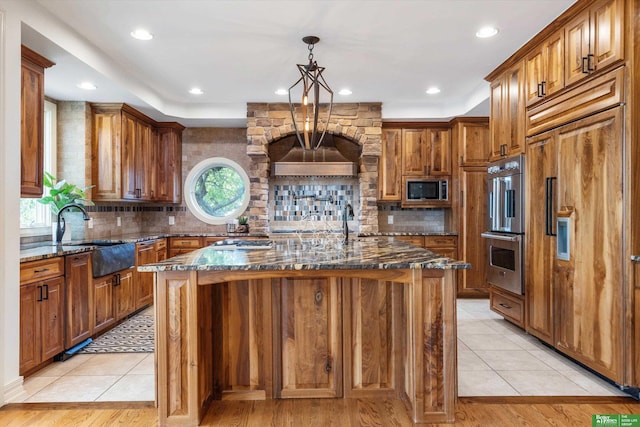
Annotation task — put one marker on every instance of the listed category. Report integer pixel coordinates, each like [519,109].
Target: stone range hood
[337,156]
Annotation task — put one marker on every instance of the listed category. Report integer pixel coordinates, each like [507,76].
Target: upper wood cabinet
[32,123]
[390,165]
[168,157]
[507,113]
[472,139]
[426,152]
[545,68]
[135,158]
[594,39]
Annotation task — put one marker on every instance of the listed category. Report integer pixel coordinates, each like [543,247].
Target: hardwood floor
[471,412]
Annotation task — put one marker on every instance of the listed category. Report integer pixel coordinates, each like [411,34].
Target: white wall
[10,380]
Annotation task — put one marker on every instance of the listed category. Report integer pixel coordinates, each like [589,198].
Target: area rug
[135,335]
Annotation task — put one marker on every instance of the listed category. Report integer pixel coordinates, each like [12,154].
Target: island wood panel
[310,341]
[430,339]
[590,285]
[243,337]
[635,374]
[372,337]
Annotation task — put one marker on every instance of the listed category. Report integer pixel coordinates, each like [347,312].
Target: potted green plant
[243,224]
[62,193]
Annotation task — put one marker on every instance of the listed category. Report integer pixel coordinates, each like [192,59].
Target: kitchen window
[35,218]
[217,190]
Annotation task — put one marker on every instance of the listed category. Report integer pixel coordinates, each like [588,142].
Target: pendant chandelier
[310,128]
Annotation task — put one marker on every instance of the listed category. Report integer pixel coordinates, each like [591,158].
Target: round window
[217,189]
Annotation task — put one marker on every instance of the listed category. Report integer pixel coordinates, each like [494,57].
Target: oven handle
[500,237]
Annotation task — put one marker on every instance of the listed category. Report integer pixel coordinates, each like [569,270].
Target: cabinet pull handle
[539,90]
[46,292]
[543,85]
[585,65]
[42,270]
[504,305]
[461,160]
[327,367]
[39,294]
[548,211]
[590,62]
[318,297]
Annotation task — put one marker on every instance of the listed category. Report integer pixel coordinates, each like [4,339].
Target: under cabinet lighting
[141,34]
[87,86]
[196,91]
[486,32]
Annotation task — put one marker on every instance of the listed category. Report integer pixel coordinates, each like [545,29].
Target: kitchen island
[306,319]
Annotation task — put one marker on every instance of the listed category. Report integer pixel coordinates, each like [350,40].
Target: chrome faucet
[348,213]
[62,226]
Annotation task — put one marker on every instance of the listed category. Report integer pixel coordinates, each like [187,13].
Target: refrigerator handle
[549,222]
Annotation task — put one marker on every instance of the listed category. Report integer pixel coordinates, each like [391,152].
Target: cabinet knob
[327,367]
[318,297]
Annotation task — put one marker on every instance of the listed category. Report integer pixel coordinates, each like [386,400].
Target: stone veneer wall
[360,122]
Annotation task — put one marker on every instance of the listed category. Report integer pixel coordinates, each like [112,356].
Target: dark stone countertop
[307,254]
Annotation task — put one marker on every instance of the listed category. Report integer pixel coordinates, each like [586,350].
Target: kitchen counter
[274,321]
[296,254]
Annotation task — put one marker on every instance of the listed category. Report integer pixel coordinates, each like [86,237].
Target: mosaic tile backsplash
[292,202]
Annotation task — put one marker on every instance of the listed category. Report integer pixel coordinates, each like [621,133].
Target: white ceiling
[241,51]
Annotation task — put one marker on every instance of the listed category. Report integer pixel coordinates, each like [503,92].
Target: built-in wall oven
[505,237]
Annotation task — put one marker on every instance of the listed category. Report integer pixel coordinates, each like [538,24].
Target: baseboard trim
[547,400]
[14,391]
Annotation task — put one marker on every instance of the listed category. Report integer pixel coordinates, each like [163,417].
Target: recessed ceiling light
[195,91]
[87,86]
[345,91]
[486,32]
[281,92]
[433,90]
[141,34]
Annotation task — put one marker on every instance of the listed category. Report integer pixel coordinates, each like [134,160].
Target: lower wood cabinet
[103,302]
[183,245]
[79,299]
[41,322]
[123,294]
[508,305]
[143,293]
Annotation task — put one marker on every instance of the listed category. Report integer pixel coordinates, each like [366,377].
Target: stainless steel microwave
[418,190]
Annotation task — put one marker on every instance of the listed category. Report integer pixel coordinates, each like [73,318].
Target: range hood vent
[336,157]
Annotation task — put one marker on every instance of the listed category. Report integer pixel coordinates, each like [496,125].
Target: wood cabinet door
[473,143]
[414,152]
[169,165]
[123,303]
[607,33]
[103,304]
[515,109]
[498,118]
[535,75]
[541,199]
[52,317]
[32,130]
[373,335]
[589,288]
[106,151]
[473,221]
[554,59]
[30,327]
[390,166]
[79,299]
[128,171]
[577,36]
[310,345]
[439,152]
[145,254]
[144,161]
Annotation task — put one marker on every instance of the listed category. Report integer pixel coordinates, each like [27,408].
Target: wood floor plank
[470,412]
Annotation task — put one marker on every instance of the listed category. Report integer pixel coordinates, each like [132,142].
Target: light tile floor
[495,358]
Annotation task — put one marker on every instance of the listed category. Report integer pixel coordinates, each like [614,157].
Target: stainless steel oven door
[505,204]
[505,261]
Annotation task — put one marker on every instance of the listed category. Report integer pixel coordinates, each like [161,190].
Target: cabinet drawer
[509,306]
[412,240]
[208,241]
[185,242]
[43,269]
[440,241]
[161,244]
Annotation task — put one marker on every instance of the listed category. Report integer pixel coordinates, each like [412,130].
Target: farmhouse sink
[107,259]
[95,243]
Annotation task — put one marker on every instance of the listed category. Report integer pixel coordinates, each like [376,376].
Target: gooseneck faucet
[348,213]
[62,226]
